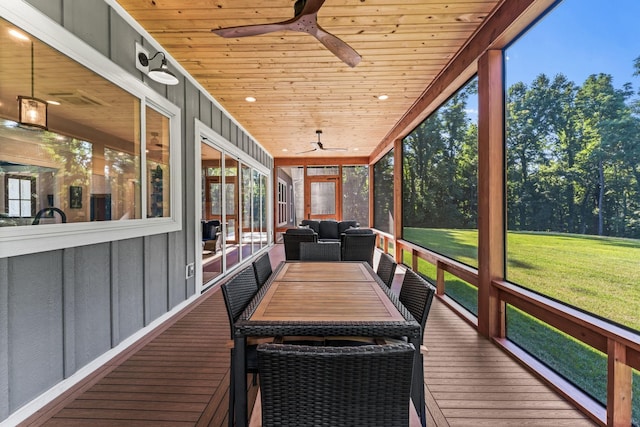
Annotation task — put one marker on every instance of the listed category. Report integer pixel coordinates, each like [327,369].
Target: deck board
[179,376]
[470,381]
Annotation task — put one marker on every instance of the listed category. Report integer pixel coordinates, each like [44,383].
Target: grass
[599,275]
[595,274]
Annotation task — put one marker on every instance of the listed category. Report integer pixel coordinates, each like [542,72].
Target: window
[322,170]
[87,165]
[282,203]
[383,193]
[573,192]
[19,192]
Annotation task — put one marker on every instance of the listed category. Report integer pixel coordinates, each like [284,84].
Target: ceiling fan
[153,145]
[317,145]
[304,20]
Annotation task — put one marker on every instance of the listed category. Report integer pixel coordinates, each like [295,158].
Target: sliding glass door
[234,211]
[211,220]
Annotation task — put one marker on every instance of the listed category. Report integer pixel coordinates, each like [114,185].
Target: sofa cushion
[345,225]
[329,230]
[359,231]
[300,231]
[312,224]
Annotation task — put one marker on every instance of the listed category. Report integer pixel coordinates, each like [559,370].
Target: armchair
[211,234]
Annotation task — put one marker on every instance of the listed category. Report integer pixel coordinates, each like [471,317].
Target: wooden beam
[491,177]
[319,161]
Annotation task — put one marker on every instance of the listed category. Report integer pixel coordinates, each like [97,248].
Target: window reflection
[86,165]
[157,164]
[82,180]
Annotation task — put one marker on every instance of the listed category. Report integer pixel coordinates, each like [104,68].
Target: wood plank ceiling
[298,84]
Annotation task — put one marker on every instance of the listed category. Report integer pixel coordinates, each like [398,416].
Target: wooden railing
[621,345]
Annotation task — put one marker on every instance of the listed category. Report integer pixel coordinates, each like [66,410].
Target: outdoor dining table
[324,299]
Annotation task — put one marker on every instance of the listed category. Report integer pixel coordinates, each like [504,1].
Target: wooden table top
[325,291]
[323,272]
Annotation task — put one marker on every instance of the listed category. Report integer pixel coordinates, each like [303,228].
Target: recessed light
[284,149]
[17,34]
[356,149]
[53,102]
[250,99]
[383,97]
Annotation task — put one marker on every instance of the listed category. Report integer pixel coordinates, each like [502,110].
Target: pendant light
[32,112]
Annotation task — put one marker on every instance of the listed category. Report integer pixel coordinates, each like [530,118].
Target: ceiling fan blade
[339,48]
[308,151]
[334,149]
[252,30]
[311,6]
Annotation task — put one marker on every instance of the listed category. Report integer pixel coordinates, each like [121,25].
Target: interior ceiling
[299,85]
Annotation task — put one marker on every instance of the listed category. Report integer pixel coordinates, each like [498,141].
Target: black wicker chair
[237,293]
[292,239]
[262,269]
[304,386]
[386,269]
[320,251]
[416,295]
[358,244]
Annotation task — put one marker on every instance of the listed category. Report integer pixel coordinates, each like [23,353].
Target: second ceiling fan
[317,145]
[304,20]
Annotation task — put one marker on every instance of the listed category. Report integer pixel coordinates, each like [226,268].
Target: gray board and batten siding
[62,309]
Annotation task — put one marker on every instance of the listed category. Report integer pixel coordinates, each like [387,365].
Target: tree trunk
[600,198]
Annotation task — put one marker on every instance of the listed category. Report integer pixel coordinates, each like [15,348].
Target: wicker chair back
[335,386]
[386,268]
[416,295]
[326,251]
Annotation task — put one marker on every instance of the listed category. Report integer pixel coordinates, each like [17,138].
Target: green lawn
[599,275]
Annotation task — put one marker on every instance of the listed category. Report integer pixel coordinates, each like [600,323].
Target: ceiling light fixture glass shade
[32,112]
[160,74]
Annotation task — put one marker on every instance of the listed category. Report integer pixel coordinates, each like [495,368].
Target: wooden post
[440,284]
[491,177]
[371,201]
[618,385]
[397,199]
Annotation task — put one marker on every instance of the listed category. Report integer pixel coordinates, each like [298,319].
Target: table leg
[240,381]
[417,384]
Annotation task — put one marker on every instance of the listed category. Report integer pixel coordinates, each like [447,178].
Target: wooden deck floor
[179,376]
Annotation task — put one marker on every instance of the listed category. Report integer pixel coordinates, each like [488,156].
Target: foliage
[439,166]
[355,191]
[572,159]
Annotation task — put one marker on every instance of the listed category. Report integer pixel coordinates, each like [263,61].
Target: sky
[579,38]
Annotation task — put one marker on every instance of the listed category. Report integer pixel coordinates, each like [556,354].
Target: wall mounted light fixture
[32,112]
[160,74]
